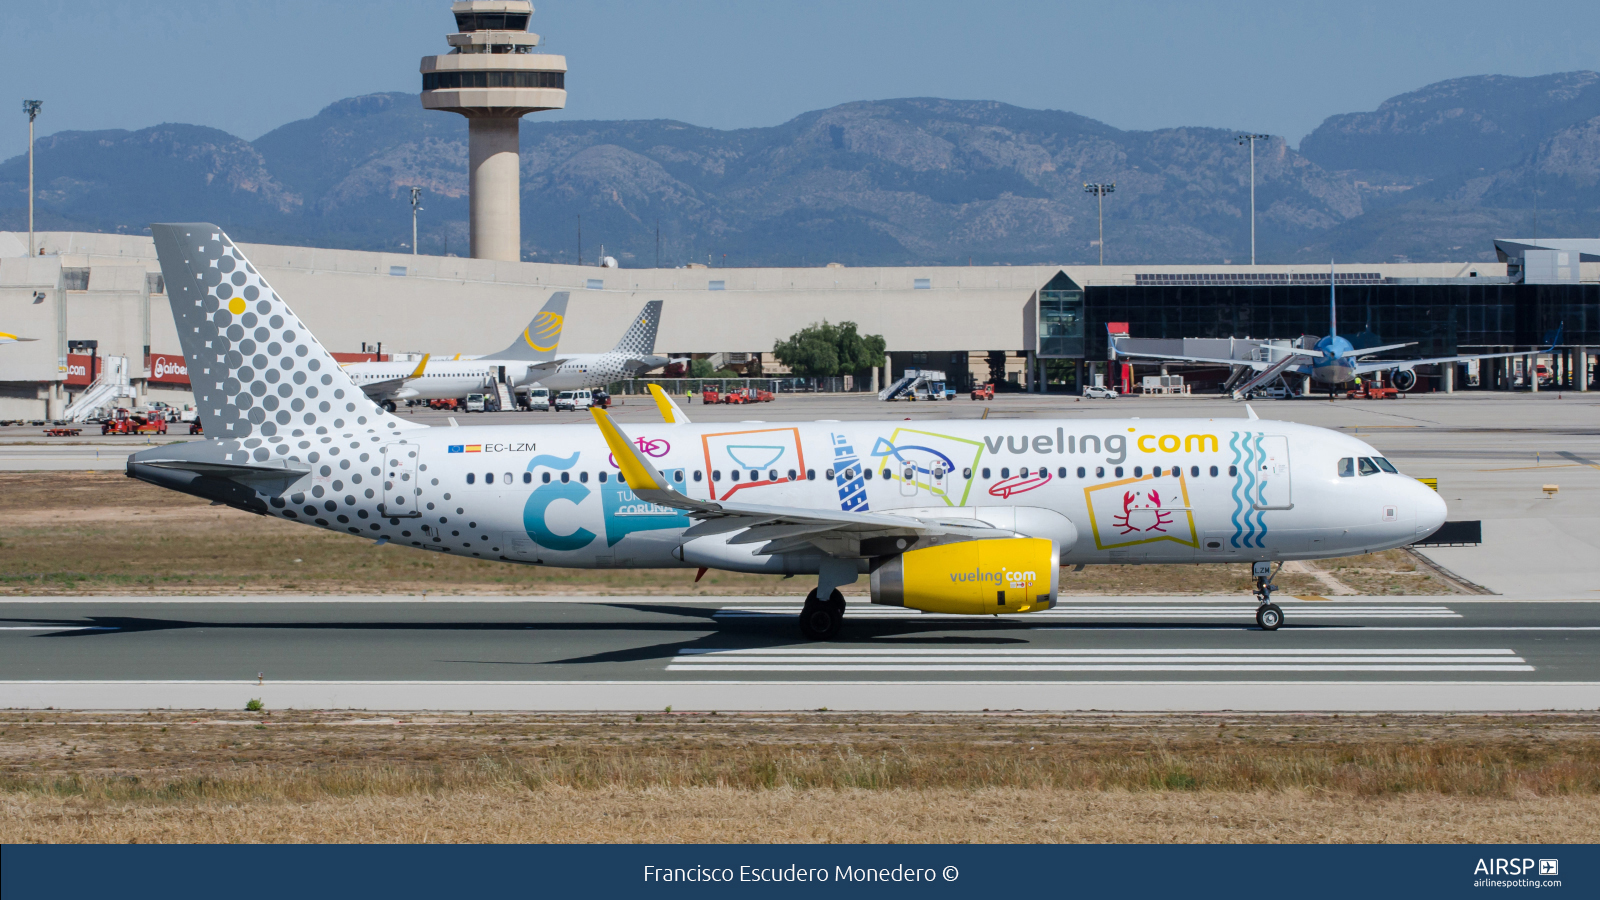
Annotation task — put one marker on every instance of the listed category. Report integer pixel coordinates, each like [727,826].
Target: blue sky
[248,66]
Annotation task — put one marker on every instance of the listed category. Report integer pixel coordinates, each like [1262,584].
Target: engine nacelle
[1403,379]
[979,578]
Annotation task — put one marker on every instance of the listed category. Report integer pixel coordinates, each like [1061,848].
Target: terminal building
[1039,328]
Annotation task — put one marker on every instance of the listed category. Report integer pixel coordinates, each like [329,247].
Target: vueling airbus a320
[970,516]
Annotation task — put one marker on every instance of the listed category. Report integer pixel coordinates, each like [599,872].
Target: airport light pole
[1251,140]
[31,107]
[1100,191]
[416,207]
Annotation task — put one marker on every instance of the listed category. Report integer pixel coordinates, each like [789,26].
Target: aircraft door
[939,479]
[1273,486]
[402,492]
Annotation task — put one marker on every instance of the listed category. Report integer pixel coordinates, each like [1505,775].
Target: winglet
[420,366]
[1251,411]
[670,413]
[637,471]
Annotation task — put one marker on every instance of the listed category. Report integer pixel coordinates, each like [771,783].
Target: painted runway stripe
[59,628]
[1142,611]
[900,659]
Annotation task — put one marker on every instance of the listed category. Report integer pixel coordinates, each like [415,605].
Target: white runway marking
[904,659]
[58,628]
[1315,611]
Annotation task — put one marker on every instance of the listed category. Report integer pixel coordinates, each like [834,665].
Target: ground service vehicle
[601,399]
[574,400]
[124,422]
[1096,392]
[955,516]
[983,392]
[710,396]
[475,403]
[539,399]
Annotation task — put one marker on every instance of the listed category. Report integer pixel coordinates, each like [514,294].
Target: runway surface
[630,653]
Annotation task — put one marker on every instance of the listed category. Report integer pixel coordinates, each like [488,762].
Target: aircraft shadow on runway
[754,632]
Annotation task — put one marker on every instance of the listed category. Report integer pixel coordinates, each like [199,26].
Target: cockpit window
[1347,467]
[1385,465]
[1368,467]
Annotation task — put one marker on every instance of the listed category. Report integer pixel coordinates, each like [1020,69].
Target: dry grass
[148,540]
[812,777]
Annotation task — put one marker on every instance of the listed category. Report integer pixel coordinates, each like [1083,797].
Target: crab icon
[1141,511]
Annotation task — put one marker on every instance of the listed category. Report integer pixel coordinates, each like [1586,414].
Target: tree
[701,368]
[825,350]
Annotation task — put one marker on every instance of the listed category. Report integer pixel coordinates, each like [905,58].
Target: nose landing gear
[1268,615]
[822,620]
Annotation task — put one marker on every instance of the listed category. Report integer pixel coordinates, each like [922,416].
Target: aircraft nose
[1431,510]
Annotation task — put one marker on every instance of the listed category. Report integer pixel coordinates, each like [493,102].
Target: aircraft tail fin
[641,337]
[257,373]
[540,339]
[1333,303]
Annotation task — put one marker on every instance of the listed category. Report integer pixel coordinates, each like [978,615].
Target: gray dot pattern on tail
[262,382]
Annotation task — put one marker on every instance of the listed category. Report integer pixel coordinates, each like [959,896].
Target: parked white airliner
[967,516]
[386,382]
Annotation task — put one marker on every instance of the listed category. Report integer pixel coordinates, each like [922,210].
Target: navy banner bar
[590,871]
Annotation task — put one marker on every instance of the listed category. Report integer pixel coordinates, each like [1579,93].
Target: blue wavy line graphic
[1261,514]
[1249,490]
[554,462]
[1238,504]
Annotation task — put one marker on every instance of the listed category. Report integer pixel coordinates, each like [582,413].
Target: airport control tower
[492,76]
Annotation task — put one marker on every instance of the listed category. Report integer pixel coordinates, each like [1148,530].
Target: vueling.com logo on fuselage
[1002,576]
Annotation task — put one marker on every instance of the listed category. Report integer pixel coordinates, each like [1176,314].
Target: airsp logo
[1515,867]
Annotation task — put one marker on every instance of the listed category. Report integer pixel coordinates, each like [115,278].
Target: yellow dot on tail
[236,305]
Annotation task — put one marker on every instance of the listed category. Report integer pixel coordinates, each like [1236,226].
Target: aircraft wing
[670,413]
[780,528]
[1368,351]
[379,389]
[546,369]
[1384,365]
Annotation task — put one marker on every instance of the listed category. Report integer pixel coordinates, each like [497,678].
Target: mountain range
[1435,174]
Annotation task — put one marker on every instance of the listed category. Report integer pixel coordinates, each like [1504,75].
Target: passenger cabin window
[1367,466]
[583,477]
[545,477]
[1385,465]
[811,474]
[1194,472]
[1138,471]
[828,474]
[1347,467]
[1061,472]
[1082,472]
[986,473]
[527,478]
[1119,471]
[734,474]
[697,475]
[604,475]
[716,474]
[793,476]
[508,478]
[1233,471]
[488,478]
[471,478]
[676,476]
[1005,473]
[566,477]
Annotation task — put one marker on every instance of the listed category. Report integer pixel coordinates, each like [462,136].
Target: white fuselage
[440,380]
[596,370]
[1243,490]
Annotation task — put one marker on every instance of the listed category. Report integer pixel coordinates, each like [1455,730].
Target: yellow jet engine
[980,578]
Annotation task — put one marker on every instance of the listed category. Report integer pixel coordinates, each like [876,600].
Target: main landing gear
[822,620]
[1268,615]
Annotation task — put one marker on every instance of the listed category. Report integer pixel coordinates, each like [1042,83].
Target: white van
[573,400]
[539,399]
[474,403]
